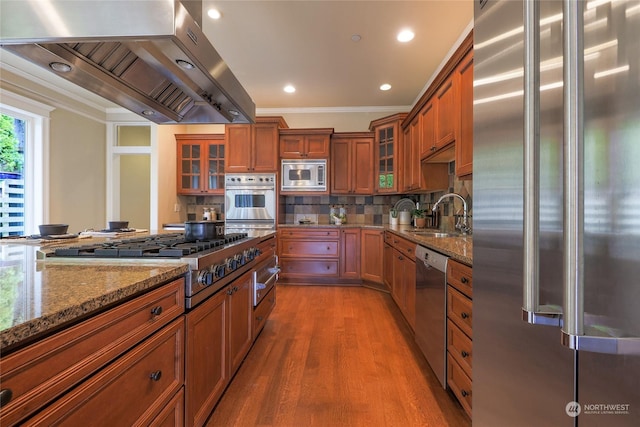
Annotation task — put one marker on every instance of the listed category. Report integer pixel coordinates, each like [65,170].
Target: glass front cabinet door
[200,167]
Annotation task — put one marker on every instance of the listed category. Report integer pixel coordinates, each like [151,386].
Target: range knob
[240,260]
[218,271]
[249,254]
[230,264]
[205,277]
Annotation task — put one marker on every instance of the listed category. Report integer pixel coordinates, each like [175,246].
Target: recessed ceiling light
[356,38]
[185,64]
[289,89]
[405,36]
[148,112]
[385,86]
[60,67]
[214,13]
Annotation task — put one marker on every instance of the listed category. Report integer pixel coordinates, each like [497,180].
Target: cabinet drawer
[459,310]
[309,267]
[308,233]
[136,386]
[262,311]
[44,370]
[460,347]
[305,248]
[405,247]
[460,276]
[459,383]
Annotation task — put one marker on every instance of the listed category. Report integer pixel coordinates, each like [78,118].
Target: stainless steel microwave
[304,175]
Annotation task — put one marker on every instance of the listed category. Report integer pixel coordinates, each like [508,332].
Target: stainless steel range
[213,263]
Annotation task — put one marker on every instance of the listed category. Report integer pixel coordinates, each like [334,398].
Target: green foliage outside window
[11,160]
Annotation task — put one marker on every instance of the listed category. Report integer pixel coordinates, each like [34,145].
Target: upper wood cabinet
[305,143]
[200,167]
[447,110]
[253,148]
[464,142]
[387,152]
[427,118]
[412,174]
[351,160]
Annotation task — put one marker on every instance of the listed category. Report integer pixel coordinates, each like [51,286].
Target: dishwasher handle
[431,258]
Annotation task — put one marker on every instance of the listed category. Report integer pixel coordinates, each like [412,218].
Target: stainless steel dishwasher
[431,309]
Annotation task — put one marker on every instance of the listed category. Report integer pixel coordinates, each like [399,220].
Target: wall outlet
[176,207]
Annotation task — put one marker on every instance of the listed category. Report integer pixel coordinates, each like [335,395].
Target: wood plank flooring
[336,356]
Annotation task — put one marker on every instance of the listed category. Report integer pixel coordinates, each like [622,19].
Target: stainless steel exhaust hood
[151,57]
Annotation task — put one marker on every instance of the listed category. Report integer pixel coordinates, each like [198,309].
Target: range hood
[150,57]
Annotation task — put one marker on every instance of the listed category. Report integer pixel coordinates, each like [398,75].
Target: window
[32,132]
[12,142]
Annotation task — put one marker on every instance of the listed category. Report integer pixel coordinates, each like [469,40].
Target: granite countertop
[38,297]
[459,248]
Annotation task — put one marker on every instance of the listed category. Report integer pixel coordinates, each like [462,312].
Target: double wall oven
[250,202]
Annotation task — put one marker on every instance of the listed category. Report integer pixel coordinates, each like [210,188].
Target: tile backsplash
[375,209]
[359,209]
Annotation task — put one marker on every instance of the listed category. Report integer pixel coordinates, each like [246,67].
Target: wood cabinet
[459,332]
[40,374]
[372,255]
[387,153]
[305,143]
[447,110]
[253,148]
[136,386]
[206,371]
[309,254]
[403,275]
[464,141]
[351,160]
[200,167]
[312,255]
[350,253]
[411,166]
[219,335]
[427,119]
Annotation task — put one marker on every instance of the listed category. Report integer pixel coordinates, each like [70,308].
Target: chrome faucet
[462,225]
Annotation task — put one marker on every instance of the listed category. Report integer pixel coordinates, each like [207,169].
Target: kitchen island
[82,334]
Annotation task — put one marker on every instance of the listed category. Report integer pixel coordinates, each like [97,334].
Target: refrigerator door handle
[575,334]
[532,311]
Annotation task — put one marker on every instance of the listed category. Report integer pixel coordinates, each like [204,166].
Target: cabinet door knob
[328,248]
[5,396]
[156,311]
[464,393]
[464,315]
[156,375]
[464,280]
[464,353]
[259,318]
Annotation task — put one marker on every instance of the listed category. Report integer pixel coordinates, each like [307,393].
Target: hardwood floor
[336,356]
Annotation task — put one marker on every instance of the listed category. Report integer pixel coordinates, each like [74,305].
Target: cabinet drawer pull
[328,248]
[464,280]
[464,315]
[5,396]
[156,311]
[259,318]
[230,291]
[464,353]
[464,393]
[156,375]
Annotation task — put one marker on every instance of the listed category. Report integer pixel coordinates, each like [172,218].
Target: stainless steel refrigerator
[556,213]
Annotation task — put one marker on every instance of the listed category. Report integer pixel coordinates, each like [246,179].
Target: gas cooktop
[154,246]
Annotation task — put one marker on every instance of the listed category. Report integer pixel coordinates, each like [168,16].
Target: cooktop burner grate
[161,245]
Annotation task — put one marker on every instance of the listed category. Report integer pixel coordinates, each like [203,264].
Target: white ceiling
[268,44]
